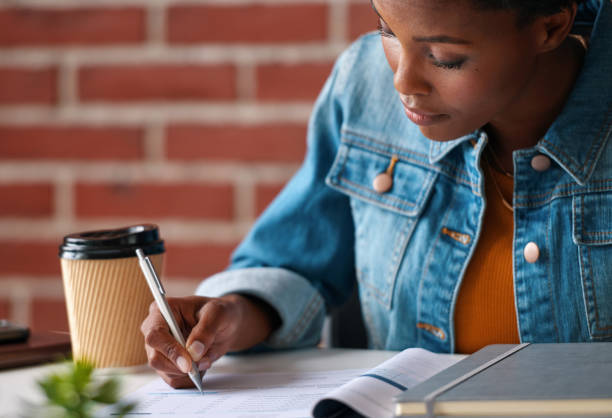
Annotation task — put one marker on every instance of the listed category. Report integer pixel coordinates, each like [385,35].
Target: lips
[423,117]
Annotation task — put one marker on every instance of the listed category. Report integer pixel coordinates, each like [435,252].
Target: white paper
[292,394]
[269,395]
[371,394]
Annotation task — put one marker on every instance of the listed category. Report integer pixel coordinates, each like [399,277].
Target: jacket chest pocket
[592,232]
[384,221]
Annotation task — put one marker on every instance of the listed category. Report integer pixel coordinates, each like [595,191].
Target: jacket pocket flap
[592,221]
[356,167]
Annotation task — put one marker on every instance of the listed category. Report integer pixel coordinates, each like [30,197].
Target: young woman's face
[456,68]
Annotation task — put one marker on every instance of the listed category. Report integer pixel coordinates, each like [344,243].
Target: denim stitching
[291,336]
[596,241]
[383,197]
[587,167]
[309,312]
[597,144]
[376,141]
[459,173]
[571,188]
[581,200]
[550,287]
[585,289]
[378,203]
[428,262]
[343,154]
[399,259]
[573,163]
[595,297]
[552,197]
[601,137]
[585,233]
[373,289]
[353,144]
[372,330]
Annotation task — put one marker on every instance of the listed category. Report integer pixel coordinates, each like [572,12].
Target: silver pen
[158,294]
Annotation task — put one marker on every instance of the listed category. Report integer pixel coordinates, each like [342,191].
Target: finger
[161,341]
[177,381]
[213,318]
[214,353]
[160,363]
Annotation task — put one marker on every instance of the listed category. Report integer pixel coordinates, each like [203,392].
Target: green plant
[74,393]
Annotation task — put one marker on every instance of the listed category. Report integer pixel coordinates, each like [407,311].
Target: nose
[409,78]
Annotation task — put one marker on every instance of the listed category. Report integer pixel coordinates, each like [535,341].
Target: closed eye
[456,65]
[384,30]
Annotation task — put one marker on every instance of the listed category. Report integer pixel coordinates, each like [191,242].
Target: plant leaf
[107,392]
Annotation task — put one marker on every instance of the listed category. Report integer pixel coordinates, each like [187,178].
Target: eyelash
[444,65]
[447,65]
[383,32]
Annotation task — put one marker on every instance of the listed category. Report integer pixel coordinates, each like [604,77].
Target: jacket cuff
[298,304]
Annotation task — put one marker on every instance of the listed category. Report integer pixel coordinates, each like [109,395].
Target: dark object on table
[12,333]
[41,347]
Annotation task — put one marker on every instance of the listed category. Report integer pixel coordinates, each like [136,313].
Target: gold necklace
[497,188]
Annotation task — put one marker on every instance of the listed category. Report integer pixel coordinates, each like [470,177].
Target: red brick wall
[188,114]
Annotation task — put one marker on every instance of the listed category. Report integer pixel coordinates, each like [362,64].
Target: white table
[17,385]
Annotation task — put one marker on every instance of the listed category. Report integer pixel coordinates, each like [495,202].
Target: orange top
[485,312]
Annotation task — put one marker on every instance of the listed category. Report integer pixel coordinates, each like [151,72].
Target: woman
[458,169]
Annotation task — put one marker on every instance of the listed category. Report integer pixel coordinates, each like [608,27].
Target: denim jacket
[329,229]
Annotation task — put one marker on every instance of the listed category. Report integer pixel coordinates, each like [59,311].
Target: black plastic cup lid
[112,243]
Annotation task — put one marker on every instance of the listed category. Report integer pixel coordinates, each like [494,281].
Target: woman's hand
[211,326]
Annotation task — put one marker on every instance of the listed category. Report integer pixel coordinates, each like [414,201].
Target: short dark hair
[527,10]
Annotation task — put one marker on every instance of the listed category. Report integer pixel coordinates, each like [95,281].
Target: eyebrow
[443,39]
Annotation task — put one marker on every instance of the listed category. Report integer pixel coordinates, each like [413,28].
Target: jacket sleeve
[299,256]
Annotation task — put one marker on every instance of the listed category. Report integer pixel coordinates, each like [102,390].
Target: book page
[269,395]
[371,394]
[295,394]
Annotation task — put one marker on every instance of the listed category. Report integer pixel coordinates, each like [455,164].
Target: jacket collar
[440,149]
[578,136]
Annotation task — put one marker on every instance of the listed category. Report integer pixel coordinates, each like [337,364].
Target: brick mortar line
[156,24]
[37,286]
[150,112]
[67,83]
[63,198]
[199,172]
[337,22]
[244,200]
[154,143]
[258,54]
[183,232]
[246,82]
[20,303]
[59,4]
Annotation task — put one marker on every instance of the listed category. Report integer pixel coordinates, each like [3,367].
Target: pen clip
[150,269]
[154,274]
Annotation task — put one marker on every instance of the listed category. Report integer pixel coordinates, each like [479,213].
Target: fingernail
[213,357]
[183,364]
[196,349]
[203,365]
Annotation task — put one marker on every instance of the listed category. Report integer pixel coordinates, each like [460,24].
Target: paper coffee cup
[107,296]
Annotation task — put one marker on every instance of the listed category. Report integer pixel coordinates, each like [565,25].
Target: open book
[334,393]
[371,393]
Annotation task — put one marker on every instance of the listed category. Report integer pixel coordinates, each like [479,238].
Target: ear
[553,29]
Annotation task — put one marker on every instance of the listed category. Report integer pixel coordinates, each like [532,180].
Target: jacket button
[540,163]
[531,252]
[382,182]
